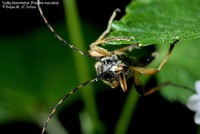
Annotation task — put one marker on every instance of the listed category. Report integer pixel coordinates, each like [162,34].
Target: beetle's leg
[97,51]
[126,48]
[151,71]
[108,29]
[140,88]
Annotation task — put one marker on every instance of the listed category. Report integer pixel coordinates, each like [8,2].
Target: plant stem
[76,36]
[127,112]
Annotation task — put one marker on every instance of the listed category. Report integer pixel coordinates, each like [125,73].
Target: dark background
[153,113]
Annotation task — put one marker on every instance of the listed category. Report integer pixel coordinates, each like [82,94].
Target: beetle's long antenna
[57,35]
[63,99]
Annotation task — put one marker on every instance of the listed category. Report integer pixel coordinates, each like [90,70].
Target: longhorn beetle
[113,67]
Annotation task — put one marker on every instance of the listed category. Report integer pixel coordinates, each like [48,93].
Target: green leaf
[158,21]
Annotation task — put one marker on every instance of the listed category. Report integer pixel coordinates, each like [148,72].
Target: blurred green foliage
[36,71]
[32,69]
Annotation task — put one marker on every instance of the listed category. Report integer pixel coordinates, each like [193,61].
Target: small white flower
[194,103]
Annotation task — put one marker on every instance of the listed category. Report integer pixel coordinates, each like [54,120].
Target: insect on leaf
[154,22]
